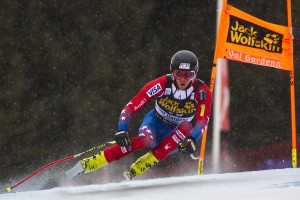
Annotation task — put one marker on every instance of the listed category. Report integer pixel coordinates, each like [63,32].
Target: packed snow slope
[281,184]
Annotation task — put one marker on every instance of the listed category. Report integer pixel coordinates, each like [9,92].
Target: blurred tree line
[69,67]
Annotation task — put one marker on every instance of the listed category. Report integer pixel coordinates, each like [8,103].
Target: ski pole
[59,161]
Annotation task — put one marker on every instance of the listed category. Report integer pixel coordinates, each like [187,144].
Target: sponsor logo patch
[175,138]
[143,101]
[202,110]
[167,146]
[123,149]
[175,107]
[180,134]
[203,95]
[154,90]
[168,91]
[184,66]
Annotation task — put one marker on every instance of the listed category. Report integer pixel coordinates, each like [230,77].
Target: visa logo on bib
[154,90]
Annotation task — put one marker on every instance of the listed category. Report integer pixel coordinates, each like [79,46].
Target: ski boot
[94,163]
[86,165]
[141,166]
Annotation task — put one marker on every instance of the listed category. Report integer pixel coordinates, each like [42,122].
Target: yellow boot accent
[143,164]
[94,163]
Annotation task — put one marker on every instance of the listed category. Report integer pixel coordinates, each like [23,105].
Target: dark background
[69,67]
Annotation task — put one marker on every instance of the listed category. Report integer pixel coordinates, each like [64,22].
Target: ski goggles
[183,75]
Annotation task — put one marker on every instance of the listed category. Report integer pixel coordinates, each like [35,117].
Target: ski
[77,169]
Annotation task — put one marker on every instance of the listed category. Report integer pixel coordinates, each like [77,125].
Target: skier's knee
[142,141]
[146,139]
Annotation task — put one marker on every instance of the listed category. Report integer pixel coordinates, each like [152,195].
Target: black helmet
[184,60]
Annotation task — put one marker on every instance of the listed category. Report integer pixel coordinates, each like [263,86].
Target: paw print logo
[272,38]
[189,105]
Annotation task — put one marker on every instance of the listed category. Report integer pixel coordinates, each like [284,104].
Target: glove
[187,145]
[122,139]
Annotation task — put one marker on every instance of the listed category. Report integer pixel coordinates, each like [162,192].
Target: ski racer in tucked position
[180,97]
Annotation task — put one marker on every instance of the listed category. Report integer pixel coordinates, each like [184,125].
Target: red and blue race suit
[166,124]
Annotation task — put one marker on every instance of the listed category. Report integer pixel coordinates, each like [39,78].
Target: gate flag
[245,38]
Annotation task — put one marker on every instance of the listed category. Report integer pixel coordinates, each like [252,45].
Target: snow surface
[280,184]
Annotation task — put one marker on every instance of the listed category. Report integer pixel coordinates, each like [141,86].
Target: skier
[180,97]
